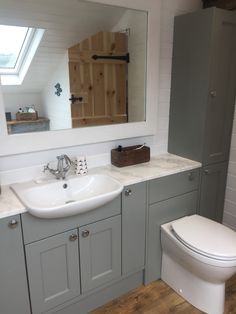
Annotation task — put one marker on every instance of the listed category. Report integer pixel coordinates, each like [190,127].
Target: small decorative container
[20,116]
[81,167]
[128,156]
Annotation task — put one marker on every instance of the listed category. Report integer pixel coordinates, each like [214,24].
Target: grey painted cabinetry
[53,270]
[76,263]
[134,203]
[14,292]
[213,181]
[203,90]
[69,257]
[100,252]
[170,198]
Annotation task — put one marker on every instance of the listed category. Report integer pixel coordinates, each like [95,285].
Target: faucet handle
[68,160]
[46,167]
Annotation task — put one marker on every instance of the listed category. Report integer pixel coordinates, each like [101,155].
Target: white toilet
[199,255]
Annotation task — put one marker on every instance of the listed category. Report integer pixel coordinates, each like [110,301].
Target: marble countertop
[157,167]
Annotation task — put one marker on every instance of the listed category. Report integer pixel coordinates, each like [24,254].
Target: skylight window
[17,48]
[11,45]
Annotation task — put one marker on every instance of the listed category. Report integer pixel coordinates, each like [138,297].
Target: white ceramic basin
[67,197]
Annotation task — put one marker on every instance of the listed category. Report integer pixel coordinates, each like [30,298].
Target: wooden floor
[158,298]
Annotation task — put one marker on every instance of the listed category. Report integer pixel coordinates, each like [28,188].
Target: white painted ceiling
[66,22]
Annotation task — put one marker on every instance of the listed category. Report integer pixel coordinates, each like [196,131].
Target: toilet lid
[206,237]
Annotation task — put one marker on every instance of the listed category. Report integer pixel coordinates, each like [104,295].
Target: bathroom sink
[75,195]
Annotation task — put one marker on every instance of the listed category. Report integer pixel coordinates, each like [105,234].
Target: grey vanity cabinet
[14,296]
[134,203]
[100,252]
[203,85]
[87,257]
[53,270]
[213,181]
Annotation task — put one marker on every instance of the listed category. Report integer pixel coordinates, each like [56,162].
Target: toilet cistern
[63,166]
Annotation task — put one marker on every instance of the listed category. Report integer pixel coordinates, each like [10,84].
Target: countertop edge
[156,168]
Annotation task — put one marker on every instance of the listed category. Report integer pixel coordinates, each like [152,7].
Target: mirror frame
[39,141]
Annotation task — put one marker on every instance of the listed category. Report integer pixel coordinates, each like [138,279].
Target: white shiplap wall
[230,196]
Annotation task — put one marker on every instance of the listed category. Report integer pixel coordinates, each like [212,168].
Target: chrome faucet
[63,166]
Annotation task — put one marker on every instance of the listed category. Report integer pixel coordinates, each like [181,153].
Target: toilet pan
[198,256]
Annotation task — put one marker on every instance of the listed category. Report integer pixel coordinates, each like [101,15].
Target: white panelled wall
[230,196]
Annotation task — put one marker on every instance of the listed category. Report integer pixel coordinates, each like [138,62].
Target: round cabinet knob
[213,93]
[13,224]
[85,233]
[191,176]
[73,237]
[128,192]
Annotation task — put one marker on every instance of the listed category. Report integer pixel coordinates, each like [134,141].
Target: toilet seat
[206,237]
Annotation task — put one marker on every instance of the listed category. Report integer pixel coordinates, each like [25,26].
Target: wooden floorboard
[158,298]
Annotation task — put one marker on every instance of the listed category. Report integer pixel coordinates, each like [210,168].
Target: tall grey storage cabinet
[203,89]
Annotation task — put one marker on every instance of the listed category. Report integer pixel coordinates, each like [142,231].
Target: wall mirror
[91,71]
[92,65]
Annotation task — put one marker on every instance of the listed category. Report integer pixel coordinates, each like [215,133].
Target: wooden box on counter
[128,156]
[20,116]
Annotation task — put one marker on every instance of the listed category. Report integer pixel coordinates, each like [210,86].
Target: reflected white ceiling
[66,23]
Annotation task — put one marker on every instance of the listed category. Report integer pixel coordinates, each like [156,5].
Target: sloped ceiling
[66,22]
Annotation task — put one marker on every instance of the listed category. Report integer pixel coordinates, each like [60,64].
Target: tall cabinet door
[134,203]
[14,289]
[100,251]
[212,193]
[53,270]
[221,96]
[203,85]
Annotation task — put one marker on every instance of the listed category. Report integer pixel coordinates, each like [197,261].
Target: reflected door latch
[125,58]
[73,99]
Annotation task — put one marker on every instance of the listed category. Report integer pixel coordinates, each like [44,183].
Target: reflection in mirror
[85,66]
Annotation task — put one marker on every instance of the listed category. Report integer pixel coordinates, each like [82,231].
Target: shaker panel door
[100,252]
[53,269]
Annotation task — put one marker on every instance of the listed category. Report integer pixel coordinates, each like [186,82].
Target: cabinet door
[221,96]
[100,252]
[159,214]
[212,191]
[134,203]
[14,289]
[53,270]
[203,85]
